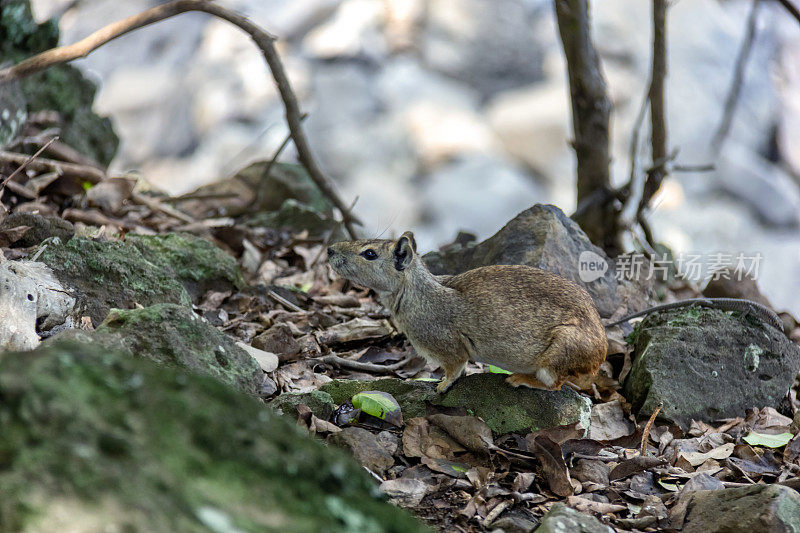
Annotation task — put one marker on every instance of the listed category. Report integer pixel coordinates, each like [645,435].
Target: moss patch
[173,335]
[95,430]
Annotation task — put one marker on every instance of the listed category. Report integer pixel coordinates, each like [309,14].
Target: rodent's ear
[403,251]
[410,236]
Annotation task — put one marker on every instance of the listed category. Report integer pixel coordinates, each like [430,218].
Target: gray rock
[506,409]
[365,447]
[754,509]
[542,237]
[94,436]
[320,403]
[707,364]
[173,335]
[561,518]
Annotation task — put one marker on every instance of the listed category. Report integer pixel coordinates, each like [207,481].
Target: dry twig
[26,163]
[364,367]
[262,39]
[647,428]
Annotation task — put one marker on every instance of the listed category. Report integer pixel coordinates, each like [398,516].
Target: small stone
[365,447]
[405,492]
[278,340]
[320,403]
[560,519]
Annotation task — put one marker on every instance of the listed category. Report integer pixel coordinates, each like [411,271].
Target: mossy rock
[173,335]
[92,436]
[298,216]
[706,364]
[41,228]
[320,403]
[61,88]
[410,395]
[144,270]
[506,409]
[503,407]
[195,262]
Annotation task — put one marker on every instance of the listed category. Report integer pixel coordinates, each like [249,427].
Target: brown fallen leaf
[470,431]
[634,465]
[609,422]
[555,469]
[698,458]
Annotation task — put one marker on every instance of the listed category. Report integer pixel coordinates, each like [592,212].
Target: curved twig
[264,40]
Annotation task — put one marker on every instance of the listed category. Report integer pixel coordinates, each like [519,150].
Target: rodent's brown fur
[538,325]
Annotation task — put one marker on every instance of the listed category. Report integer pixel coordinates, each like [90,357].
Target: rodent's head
[379,264]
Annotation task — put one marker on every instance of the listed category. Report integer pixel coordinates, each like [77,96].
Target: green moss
[173,451]
[144,270]
[110,274]
[321,403]
[506,409]
[173,335]
[194,261]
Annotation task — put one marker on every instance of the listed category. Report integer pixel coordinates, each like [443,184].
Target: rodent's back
[511,310]
[519,288]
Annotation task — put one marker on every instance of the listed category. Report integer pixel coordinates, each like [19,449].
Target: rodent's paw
[443,386]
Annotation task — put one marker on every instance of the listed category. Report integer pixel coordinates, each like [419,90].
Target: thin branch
[364,367]
[735,90]
[70,170]
[790,7]
[262,39]
[26,163]
[647,428]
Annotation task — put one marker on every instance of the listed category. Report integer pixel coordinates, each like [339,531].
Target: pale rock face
[28,291]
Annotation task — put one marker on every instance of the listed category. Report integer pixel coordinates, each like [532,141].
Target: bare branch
[262,39]
[791,8]
[738,78]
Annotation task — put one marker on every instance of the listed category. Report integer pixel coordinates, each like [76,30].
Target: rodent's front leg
[452,371]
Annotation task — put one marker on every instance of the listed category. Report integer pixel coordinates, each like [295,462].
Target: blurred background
[448,115]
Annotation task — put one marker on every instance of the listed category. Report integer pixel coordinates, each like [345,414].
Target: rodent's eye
[369,254]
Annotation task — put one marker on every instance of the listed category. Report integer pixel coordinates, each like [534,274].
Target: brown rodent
[538,325]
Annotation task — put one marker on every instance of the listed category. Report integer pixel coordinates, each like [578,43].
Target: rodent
[540,326]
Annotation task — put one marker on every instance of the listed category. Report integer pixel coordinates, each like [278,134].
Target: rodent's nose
[330,251]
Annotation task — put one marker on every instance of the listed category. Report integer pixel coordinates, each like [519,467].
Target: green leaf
[497,370]
[672,487]
[379,404]
[769,441]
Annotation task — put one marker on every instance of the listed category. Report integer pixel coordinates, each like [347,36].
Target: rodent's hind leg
[534,381]
[452,371]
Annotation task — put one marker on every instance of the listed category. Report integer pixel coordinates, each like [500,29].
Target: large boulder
[173,335]
[707,364]
[144,270]
[542,237]
[97,440]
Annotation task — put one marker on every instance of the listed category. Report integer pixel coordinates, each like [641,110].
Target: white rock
[405,492]
[533,124]
[441,133]
[474,193]
[29,292]
[268,361]
[354,30]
